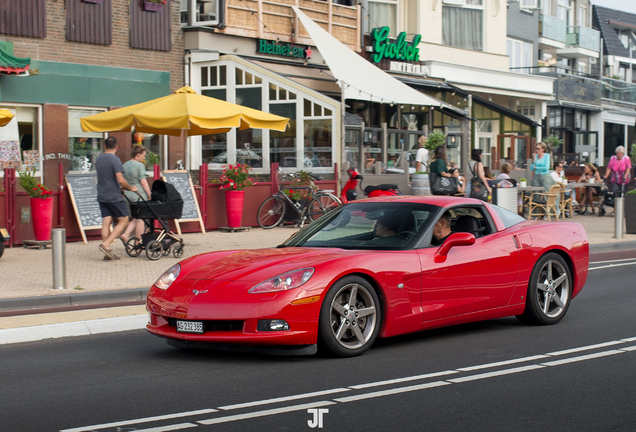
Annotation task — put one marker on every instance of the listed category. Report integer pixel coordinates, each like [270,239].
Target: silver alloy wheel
[553,289]
[353,316]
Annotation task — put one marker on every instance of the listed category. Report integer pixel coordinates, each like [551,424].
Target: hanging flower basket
[152,6]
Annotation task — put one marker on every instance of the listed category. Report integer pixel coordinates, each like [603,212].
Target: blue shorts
[113,209]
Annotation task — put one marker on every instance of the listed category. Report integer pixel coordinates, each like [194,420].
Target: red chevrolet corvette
[373,268]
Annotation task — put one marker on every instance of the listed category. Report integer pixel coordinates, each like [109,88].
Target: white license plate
[190,326]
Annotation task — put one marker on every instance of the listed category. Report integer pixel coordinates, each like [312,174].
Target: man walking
[421,157]
[110,180]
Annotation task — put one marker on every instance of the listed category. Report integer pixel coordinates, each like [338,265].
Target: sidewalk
[27,280]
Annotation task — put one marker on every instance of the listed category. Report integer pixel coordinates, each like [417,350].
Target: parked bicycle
[314,204]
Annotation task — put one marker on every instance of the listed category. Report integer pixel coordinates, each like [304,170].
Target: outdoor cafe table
[586,184]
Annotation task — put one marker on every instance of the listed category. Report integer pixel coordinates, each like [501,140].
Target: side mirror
[455,239]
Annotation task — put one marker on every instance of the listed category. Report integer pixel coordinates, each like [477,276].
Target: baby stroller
[165,204]
[608,197]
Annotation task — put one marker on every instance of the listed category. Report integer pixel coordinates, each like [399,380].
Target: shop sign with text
[399,49]
[265,46]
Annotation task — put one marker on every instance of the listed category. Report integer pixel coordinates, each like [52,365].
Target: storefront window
[249,142]
[318,142]
[84,147]
[214,147]
[282,145]
[19,143]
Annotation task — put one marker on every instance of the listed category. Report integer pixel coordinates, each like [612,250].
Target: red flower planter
[42,218]
[234,207]
[152,7]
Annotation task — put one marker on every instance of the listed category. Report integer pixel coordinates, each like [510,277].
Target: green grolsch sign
[398,50]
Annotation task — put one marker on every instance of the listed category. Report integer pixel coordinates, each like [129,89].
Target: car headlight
[169,276]
[283,282]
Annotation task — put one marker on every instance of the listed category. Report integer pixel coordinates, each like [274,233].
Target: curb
[73,300]
[611,247]
[78,328]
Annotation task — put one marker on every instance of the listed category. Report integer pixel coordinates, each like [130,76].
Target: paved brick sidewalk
[27,272]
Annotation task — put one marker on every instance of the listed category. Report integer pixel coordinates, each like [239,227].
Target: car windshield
[370,225]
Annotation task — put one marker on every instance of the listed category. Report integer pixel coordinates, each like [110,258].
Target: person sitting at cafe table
[590,175]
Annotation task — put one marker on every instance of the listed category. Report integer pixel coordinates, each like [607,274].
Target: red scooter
[350,193]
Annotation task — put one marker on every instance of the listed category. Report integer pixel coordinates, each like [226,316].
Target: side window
[507,217]
[472,220]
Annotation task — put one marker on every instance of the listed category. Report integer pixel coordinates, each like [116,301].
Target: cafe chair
[566,204]
[544,204]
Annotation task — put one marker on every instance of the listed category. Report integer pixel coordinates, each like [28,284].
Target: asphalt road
[497,375]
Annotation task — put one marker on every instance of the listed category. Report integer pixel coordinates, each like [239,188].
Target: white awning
[361,80]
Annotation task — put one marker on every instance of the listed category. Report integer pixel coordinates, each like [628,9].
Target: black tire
[343,330]
[326,202]
[271,212]
[1,246]
[177,252]
[133,248]
[154,250]
[166,251]
[550,282]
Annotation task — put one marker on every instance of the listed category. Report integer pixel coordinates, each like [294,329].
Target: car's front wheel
[549,291]
[350,317]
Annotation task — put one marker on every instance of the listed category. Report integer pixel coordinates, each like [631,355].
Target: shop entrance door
[513,149]
[353,144]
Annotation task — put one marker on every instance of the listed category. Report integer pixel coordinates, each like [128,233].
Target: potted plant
[523,182]
[153,5]
[41,205]
[553,142]
[630,212]
[234,179]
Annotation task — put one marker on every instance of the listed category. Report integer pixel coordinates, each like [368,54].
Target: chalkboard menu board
[83,191]
[182,182]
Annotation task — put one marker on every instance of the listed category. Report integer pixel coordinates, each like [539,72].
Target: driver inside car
[442,229]
[387,226]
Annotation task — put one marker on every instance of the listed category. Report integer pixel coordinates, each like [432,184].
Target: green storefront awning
[9,64]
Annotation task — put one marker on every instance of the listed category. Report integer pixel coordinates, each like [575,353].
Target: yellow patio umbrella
[183,110]
[5,117]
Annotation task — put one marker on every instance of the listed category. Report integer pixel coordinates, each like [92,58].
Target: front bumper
[231,318]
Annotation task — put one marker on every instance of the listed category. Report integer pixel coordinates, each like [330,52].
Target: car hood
[260,264]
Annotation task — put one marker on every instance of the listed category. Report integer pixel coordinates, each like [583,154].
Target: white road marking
[265,413]
[494,374]
[611,261]
[503,363]
[372,394]
[141,420]
[283,399]
[581,358]
[391,391]
[585,348]
[399,380]
[169,428]
[611,265]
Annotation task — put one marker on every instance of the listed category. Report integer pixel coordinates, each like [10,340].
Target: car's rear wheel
[350,317]
[549,291]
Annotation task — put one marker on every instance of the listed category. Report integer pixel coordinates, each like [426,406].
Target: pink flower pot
[152,7]
[234,207]
[42,218]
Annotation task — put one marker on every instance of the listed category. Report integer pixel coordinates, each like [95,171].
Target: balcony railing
[584,37]
[553,28]
[618,90]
